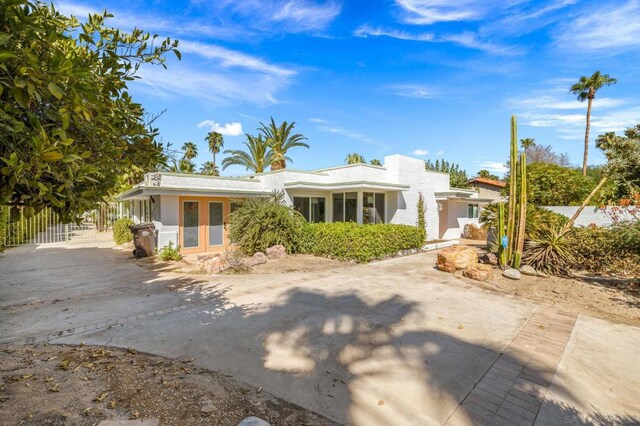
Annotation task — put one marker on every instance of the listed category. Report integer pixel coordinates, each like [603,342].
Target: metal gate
[47,228]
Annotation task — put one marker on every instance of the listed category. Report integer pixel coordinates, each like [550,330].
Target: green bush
[538,219]
[549,251]
[615,249]
[121,232]
[168,253]
[362,243]
[259,223]
[4,218]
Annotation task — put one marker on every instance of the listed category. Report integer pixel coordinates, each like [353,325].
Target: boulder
[213,265]
[257,259]
[512,274]
[446,267]
[253,421]
[489,259]
[276,252]
[201,260]
[460,257]
[478,272]
[208,409]
[528,270]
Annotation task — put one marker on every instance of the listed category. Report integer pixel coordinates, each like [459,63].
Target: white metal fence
[47,228]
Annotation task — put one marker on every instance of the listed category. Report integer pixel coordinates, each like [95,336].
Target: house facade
[192,211]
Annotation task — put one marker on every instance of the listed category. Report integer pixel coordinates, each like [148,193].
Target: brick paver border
[512,390]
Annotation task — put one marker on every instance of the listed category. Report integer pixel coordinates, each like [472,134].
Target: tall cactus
[502,251]
[519,245]
[511,221]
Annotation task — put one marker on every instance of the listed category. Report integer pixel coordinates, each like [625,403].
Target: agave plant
[549,251]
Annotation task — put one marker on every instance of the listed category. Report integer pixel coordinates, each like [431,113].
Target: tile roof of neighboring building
[486,181]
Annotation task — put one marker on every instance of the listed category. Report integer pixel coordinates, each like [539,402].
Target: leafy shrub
[259,223]
[549,251]
[4,218]
[422,221]
[607,250]
[363,243]
[168,253]
[121,232]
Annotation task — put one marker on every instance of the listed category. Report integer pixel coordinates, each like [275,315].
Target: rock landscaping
[478,272]
[453,258]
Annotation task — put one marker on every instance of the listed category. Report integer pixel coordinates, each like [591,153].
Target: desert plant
[259,223]
[522,218]
[538,218]
[500,225]
[121,232]
[169,253]
[614,249]
[513,201]
[550,251]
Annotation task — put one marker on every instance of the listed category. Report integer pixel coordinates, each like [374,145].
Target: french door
[204,224]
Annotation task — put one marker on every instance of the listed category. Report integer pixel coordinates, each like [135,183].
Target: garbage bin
[144,239]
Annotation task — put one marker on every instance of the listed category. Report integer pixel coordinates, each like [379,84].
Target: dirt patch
[612,298]
[57,385]
[299,263]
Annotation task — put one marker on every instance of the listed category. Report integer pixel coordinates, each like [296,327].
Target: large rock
[458,257]
[276,252]
[489,259]
[528,270]
[478,272]
[512,274]
[253,421]
[257,259]
[213,265]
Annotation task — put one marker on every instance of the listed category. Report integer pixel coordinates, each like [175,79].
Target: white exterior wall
[167,225]
[406,170]
[457,217]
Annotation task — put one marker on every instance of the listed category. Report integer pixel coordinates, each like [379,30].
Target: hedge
[121,232]
[606,249]
[362,243]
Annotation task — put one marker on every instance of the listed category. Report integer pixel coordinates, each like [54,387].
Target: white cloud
[327,127]
[608,29]
[413,91]
[467,39]
[423,12]
[420,152]
[440,153]
[367,30]
[300,15]
[493,166]
[229,129]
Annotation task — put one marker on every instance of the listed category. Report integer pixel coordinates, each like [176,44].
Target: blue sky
[426,78]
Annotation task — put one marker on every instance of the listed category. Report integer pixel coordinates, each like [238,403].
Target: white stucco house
[192,210]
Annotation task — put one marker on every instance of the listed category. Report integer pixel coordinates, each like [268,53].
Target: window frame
[473,211]
[309,199]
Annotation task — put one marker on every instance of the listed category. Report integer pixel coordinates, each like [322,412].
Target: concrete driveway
[393,342]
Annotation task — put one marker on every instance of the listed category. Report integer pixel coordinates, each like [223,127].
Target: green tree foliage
[421,209]
[259,223]
[215,142]
[69,128]
[375,162]
[552,185]
[526,143]
[209,168]
[190,150]
[457,177]
[623,163]
[280,141]
[256,158]
[354,158]
[585,89]
[537,219]
[121,232]
[487,175]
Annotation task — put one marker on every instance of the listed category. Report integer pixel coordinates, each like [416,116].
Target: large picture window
[311,208]
[345,207]
[372,207]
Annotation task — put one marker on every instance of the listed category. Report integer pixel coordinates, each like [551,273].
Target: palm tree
[354,158]
[190,150]
[527,142]
[215,142]
[256,159]
[209,168]
[280,141]
[586,88]
[375,162]
[182,166]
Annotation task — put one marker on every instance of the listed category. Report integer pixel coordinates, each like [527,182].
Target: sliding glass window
[311,208]
[372,207]
[345,207]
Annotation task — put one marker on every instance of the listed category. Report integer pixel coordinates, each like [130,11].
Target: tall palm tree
[190,150]
[280,141]
[182,166]
[215,142]
[527,143]
[354,158]
[586,88]
[209,168]
[257,158]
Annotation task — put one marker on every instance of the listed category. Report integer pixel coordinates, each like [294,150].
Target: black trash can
[144,239]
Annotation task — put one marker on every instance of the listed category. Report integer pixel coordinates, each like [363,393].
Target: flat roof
[346,185]
[143,192]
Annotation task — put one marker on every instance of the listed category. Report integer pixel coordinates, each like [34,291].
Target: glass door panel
[191,222]
[216,225]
